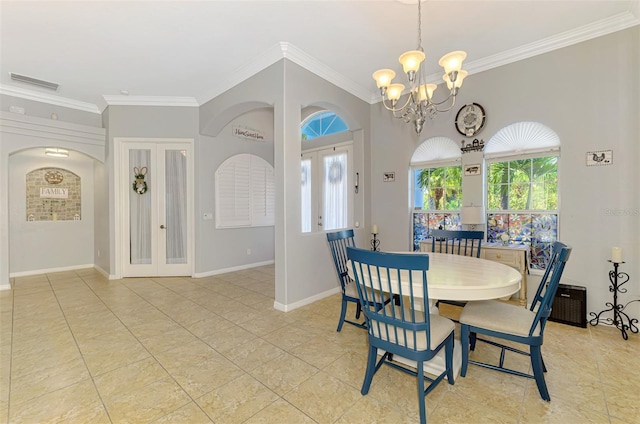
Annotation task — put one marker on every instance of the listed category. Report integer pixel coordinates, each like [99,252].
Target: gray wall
[303,262]
[589,95]
[221,249]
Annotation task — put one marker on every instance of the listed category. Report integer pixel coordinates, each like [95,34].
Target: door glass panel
[334,196]
[305,196]
[140,206]
[176,206]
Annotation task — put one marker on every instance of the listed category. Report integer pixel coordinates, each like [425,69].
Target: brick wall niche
[53,194]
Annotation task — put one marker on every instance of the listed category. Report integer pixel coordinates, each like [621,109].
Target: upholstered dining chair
[465,243]
[403,330]
[338,243]
[516,324]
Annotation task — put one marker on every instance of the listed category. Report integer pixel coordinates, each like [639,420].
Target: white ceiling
[187,52]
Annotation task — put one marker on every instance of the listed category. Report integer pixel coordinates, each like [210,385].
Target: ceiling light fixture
[56,152]
[420,104]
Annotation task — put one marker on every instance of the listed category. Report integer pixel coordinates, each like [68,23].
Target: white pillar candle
[616,255]
[374,229]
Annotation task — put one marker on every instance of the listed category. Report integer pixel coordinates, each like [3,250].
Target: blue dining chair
[466,243]
[514,323]
[338,243]
[406,329]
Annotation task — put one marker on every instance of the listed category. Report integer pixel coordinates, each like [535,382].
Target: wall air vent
[34,81]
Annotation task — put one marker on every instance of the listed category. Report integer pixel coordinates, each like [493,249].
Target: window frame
[529,212]
[415,242]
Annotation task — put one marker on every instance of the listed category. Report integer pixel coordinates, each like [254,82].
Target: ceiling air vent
[34,81]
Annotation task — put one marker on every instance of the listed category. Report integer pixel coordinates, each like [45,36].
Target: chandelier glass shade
[420,104]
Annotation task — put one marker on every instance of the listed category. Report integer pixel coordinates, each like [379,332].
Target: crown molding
[311,64]
[288,51]
[121,100]
[597,29]
[584,33]
[242,73]
[48,98]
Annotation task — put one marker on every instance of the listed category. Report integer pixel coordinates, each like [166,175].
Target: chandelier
[420,104]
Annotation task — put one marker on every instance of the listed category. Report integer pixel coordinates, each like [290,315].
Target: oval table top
[463,278]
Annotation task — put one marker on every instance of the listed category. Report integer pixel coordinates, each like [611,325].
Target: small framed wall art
[473,169]
[600,157]
[388,177]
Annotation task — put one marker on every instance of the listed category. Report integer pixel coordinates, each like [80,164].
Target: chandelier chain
[420,25]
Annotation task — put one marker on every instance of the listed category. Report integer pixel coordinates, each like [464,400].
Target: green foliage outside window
[441,187]
[525,184]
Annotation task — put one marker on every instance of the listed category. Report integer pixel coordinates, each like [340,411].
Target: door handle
[162,227]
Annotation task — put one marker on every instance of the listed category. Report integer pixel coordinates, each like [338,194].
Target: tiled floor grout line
[183,327]
[75,340]
[145,348]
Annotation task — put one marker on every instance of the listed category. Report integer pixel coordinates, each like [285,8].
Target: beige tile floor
[76,348]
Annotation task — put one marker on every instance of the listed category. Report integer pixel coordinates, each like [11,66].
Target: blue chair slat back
[338,243]
[465,243]
[549,285]
[406,324]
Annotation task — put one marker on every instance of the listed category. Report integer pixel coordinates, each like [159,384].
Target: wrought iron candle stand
[375,242]
[620,319]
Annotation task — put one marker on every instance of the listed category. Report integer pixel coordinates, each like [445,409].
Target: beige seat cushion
[499,316]
[351,290]
[441,327]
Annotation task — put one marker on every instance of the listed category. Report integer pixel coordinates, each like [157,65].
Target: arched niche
[218,122]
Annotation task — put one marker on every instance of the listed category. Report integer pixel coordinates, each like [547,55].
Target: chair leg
[449,358]
[421,395]
[464,342]
[343,313]
[358,310]
[371,369]
[538,373]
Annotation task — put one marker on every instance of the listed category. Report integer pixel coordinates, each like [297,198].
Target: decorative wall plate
[470,119]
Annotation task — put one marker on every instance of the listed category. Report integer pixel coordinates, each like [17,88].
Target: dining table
[459,278]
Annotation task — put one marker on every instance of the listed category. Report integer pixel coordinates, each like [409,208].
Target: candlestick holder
[620,319]
[375,243]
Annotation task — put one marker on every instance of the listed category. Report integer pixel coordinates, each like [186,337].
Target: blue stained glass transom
[423,223]
[536,230]
[322,123]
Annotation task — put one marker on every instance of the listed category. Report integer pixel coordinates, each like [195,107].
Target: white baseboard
[309,300]
[232,269]
[49,270]
[105,274]
[5,287]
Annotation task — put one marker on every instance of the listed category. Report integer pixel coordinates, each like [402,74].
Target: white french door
[156,186]
[326,201]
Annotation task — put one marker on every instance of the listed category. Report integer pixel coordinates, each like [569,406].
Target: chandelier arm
[451,95]
[396,109]
[453,103]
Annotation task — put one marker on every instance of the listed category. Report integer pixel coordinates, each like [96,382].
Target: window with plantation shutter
[262,192]
[245,193]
